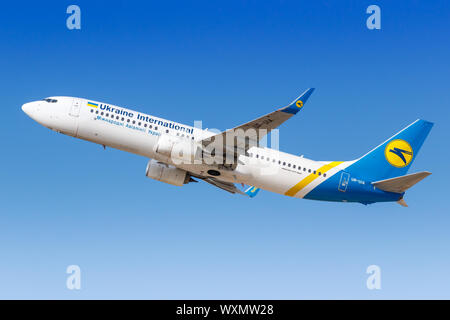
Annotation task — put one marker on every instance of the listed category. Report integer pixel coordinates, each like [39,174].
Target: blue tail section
[393,157]
[298,103]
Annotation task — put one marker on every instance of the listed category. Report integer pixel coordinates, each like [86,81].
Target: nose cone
[28,108]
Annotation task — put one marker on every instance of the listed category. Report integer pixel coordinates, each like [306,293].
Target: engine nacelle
[166,173]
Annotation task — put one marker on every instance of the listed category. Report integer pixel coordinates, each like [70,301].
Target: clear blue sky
[65,201]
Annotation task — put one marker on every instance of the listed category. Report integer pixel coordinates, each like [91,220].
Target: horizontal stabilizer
[401,184]
[402,202]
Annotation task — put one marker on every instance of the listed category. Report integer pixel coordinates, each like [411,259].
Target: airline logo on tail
[398,153]
[299,103]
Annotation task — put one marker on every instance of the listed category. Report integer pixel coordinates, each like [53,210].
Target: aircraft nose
[28,108]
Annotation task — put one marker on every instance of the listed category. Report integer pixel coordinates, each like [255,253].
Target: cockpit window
[50,100]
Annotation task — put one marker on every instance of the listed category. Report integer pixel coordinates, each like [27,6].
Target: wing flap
[227,186]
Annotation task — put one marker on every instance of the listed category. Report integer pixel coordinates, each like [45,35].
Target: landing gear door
[343,183]
[74,110]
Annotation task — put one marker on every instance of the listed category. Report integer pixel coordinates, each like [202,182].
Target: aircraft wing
[251,132]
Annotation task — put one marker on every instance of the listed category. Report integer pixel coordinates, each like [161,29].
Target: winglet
[402,183]
[252,191]
[402,202]
[298,103]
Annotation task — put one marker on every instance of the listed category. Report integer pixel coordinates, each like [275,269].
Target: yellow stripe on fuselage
[311,177]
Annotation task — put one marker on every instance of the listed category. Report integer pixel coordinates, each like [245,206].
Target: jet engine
[167,173]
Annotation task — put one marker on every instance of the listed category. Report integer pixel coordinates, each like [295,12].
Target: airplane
[179,154]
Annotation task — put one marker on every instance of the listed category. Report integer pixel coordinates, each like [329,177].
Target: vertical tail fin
[393,157]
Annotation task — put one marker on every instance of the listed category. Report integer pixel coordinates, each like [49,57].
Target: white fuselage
[139,133]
